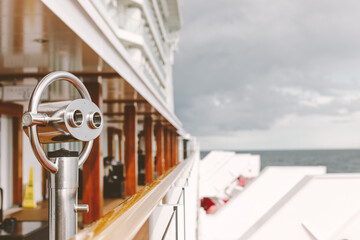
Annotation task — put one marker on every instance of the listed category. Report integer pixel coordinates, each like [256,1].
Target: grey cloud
[235,54]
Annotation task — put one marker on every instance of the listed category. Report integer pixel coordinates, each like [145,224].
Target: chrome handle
[81,208]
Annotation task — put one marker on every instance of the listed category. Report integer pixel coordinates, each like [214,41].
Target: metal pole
[63,191]
[183,189]
[176,223]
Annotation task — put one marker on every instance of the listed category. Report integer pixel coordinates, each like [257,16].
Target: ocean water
[336,161]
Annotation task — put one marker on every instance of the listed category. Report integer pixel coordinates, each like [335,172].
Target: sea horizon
[278,149]
[336,160]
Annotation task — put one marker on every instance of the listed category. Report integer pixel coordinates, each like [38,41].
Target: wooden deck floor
[40,213]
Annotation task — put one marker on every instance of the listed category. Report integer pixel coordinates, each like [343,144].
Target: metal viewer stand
[60,122]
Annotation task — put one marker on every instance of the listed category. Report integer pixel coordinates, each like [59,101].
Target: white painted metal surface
[350,230]
[244,210]
[319,207]
[209,165]
[161,223]
[6,160]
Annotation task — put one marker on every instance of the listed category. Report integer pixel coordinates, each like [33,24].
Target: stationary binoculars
[61,122]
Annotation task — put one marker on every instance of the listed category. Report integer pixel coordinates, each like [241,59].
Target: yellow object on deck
[29,200]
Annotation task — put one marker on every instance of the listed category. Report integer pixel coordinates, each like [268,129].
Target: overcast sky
[270,74]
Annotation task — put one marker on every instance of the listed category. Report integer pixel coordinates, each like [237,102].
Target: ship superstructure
[123,51]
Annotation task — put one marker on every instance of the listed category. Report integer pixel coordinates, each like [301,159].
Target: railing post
[159,148]
[92,169]
[167,148]
[149,160]
[131,179]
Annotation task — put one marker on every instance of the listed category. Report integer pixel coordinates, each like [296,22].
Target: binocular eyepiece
[78,120]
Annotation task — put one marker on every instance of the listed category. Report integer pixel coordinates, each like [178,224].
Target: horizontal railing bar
[122,113]
[126,219]
[112,101]
[15,75]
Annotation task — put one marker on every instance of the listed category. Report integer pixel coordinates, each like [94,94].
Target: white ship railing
[169,205]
